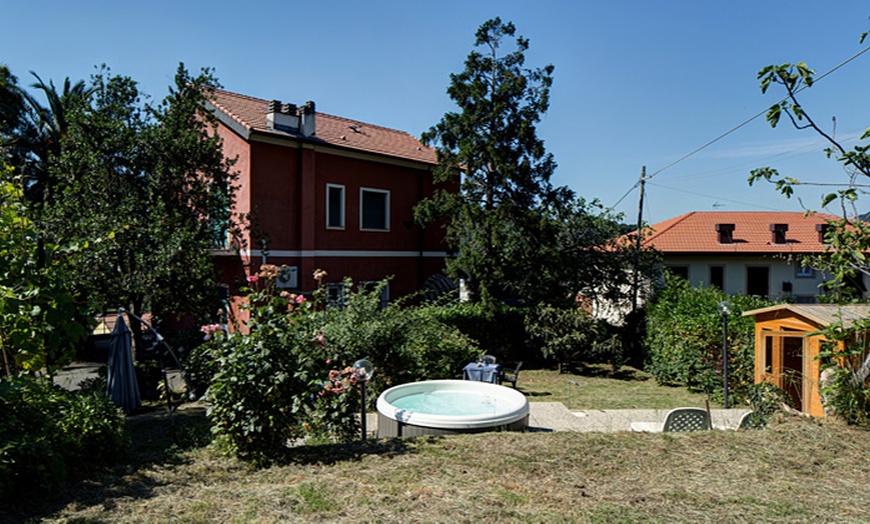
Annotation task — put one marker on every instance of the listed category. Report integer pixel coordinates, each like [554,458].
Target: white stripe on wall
[325,253]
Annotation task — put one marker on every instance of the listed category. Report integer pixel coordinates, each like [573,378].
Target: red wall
[284,187]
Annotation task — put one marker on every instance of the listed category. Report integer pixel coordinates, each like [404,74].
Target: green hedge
[290,379]
[684,339]
[47,433]
[501,333]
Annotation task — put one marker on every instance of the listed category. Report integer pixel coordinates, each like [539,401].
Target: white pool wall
[511,405]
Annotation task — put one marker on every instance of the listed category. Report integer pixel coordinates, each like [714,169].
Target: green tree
[143,187]
[506,171]
[847,238]
[41,321]
[35,131]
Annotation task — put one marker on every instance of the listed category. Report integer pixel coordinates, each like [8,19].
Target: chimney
[726,233]
[823,230]
[307,124]
[777,233]
[282,117]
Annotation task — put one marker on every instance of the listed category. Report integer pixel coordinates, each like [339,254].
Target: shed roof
[250,113]
[821,314]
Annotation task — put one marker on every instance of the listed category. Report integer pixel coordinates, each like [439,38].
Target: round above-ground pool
[440,407]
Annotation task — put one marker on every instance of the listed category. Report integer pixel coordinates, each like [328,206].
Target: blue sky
[637,83]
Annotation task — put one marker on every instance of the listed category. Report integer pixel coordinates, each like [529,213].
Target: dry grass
[797,471]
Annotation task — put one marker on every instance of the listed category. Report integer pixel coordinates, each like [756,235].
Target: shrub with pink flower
[335,413]
[209,330]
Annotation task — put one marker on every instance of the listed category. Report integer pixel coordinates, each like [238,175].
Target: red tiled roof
[341,132]
[695,232]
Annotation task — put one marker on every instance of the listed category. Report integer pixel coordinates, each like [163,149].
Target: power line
[745,122]
[737,127]
[717,197]
[625,195]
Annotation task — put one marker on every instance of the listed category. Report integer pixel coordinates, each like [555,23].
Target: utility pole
[634,291]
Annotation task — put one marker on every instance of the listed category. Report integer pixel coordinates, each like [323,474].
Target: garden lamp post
[725,310]
[364,371]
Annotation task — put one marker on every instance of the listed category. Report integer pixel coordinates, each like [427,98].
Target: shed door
[792,369]
[783,366]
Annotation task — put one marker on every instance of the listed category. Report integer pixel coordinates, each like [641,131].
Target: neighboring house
[754,253]
[326,192]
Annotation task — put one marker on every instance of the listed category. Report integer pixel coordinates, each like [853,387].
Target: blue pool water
[453,403]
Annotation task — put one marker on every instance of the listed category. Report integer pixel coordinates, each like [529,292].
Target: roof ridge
[321,113]
[670,224]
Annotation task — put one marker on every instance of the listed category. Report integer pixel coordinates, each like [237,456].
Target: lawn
[602,388]
[796,471]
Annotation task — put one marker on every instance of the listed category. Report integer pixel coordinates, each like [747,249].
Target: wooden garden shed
[785,354]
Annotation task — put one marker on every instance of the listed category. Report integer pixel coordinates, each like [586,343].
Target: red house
[327,192]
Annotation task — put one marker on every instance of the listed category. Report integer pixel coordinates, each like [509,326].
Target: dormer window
[726,233]
[777,233]
[822,230]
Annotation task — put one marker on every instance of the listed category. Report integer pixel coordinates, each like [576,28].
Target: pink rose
[253,278]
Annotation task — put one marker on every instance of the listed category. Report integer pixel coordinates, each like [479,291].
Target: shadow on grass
[158,440]
[536,393]
[155,439]
[623,373]
[328,454]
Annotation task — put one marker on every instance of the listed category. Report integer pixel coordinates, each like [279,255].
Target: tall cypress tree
[505,170]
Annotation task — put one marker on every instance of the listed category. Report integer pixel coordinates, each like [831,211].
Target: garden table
[481,372]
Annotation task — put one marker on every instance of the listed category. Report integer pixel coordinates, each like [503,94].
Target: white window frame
[386,192]
[804,271]
[343,203]
[371,284]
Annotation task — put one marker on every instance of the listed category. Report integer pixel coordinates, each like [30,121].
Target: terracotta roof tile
[695,232]
[341,132]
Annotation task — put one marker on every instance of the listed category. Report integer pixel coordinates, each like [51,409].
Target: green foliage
[567,336]
[288,378]
[684,339]
[136,188]
[506,171]
[499,332]
[847,239]
[765,400]
[48,434]
[41,321]
[405,344]
[261,390]
[846,398]
[845,362]
[516,235]
[333,417]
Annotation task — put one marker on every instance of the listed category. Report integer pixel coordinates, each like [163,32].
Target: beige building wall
[780,273]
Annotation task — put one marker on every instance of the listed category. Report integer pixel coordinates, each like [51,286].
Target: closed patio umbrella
[121,385]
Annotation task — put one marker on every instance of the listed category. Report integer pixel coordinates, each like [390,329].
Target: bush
[263,380]
[684,339]
[288,379]
[47,432]
[500,333]
[765,400]
[568,336]
[845,364]
[405,344]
